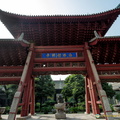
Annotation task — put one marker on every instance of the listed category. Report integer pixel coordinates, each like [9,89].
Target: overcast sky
[59,7]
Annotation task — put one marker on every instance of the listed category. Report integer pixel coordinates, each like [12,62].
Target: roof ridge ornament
[21,38]
[96,36]
[118,6]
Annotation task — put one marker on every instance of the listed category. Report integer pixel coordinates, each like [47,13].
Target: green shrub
[47,109]
[37,107]
[19,110]
[7,109]
[73,109]
[71,101]
[48,106]
[81,106]
[111,106]
[100,107]
[117,96]
[49,103]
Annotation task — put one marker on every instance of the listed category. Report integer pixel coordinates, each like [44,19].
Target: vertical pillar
[26,97]
[94,96]
[32,106]
[92,72]
[87,97]
[27,71]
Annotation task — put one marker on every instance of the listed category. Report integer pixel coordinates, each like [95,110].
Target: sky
[59,7]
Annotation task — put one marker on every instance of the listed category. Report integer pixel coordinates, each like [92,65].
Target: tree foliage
[44,87]
[109,90]
[74,87]
[9,91]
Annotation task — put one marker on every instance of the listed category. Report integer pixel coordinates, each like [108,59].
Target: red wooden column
[87,96]
[92,72]
[93,96]
[26,98]
[32,105]
[25,78]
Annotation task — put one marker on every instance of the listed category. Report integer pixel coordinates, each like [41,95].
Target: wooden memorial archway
[59,45]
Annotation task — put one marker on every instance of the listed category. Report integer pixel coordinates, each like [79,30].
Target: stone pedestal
[60,115]
[60,108]
[2,110]
[116,108]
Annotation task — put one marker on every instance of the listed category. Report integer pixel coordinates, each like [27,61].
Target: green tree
[9,91]
[74,87]
[109,90]
[44,87]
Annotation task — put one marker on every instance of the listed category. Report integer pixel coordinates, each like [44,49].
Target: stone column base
[60,115]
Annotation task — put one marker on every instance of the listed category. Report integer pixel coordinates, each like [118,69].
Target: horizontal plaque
[58,55]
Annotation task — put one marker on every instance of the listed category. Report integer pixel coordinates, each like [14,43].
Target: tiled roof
[13,52]
[59,29]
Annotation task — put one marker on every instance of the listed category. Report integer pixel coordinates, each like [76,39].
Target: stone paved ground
[78,116]
[52,117]
[69,117]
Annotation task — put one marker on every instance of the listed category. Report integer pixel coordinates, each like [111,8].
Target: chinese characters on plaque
[58,55]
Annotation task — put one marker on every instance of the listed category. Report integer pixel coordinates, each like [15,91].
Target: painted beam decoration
[58,55]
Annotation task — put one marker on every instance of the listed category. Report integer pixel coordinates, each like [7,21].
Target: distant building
[59,84]
[116,88]
[115,85]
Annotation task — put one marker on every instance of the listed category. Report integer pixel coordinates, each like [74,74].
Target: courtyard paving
[78,116]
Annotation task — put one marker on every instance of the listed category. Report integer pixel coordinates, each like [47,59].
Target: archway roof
[13,52]
[59,29]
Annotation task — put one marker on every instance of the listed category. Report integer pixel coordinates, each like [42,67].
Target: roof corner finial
[96,34]
[118,6]
[21,36]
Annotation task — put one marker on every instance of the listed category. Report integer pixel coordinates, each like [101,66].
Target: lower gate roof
[13,52]
[105,50]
